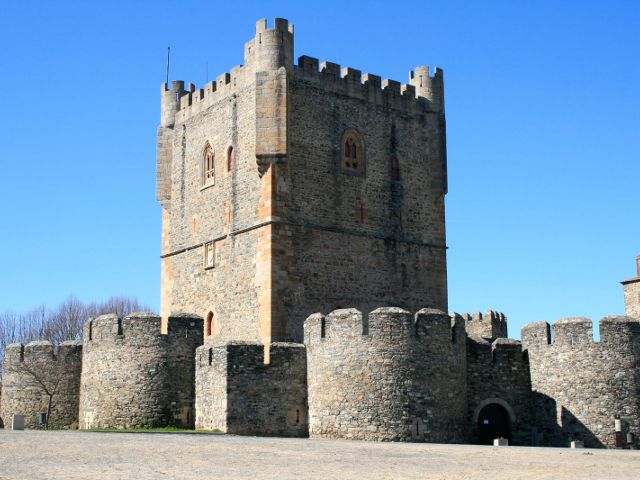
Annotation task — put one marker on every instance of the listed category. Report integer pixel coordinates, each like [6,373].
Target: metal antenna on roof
[168,57]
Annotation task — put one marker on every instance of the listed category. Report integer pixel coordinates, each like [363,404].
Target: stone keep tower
[291,189]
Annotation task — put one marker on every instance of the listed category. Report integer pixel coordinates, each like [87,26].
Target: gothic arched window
[352,152]
[208,169]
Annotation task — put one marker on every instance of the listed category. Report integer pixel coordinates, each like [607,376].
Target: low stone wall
[387,376]
[34,371]
[236,392]
[135,377]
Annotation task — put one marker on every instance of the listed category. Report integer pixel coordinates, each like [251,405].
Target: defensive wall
[32,373]
[134,376]
[387,375]
[489,326]
[272,49]
[238,392]
[498,373]
[585,385]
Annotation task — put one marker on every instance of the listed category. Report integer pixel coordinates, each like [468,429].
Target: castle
[288,189]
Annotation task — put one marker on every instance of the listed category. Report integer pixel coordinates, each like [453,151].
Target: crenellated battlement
[40,352]
[237,392]
[384,365]
[489,326]
[179,103]
[130,360]
[502,352]
[577,332]
[577,372]
[249,353]
[422,93]
[391,324]
[36,370]
[272,49]
[141,327]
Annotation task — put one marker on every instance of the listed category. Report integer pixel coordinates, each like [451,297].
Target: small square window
[209,255]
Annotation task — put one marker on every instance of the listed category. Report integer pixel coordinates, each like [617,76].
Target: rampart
[272,49]
[489,326]
[498,372]
[388,375]
[583,385]
[37,372]
[238,393]
[135,377]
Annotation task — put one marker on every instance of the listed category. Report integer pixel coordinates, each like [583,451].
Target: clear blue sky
[543,117]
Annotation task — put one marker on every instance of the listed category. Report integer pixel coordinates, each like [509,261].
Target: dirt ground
[140,456]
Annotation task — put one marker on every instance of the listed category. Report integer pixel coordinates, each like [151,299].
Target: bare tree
[60,324]
[65,323]
[121,306]
[21,328]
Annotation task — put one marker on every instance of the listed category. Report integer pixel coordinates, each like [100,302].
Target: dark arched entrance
[493,422]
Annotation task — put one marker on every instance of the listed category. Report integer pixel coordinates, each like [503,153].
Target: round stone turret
[429,87]
[389,376]
[135,377]
[271,48]
[170,102]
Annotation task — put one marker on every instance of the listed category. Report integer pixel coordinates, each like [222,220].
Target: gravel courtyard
[139,456]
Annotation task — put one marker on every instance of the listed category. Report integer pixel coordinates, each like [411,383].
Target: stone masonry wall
[135,377]
[584,384]
[386,376]
[31,372]
[360,240]
[498,372]
[238,393]
[490,326]
[290,228]
[632,293]
[632,299]
[220,213]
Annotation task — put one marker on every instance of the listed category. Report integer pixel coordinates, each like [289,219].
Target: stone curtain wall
[238,393]
[581,385]
[499,370]
[31,370]
[388,376]
[211,387]
[134,376]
